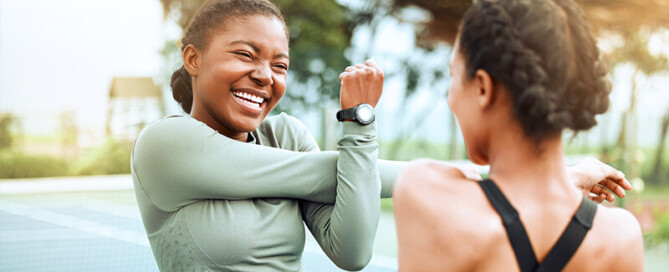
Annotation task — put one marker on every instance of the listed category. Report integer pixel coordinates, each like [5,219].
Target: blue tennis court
[93,224]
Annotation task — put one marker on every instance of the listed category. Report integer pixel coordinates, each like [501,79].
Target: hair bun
[182,89]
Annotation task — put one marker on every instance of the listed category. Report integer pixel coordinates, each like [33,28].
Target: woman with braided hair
[522,72]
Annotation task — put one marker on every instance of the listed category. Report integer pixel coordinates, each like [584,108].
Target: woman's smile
[253,103]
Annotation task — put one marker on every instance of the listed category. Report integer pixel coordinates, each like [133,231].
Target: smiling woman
[239,77]
[228,188]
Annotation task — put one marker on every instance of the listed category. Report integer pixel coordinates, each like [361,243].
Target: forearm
[346,230]
[388,172]
[183,161]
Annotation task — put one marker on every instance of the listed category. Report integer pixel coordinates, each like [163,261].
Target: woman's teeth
[249,97]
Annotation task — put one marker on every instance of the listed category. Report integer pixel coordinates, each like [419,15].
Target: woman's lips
[251,102]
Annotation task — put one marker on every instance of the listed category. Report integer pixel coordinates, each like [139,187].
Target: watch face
[365,114]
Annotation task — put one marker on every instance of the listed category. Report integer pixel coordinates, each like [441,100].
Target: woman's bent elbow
[354,262]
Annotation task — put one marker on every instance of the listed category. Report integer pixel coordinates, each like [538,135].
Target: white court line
[104,207]
[43,235]
[66,184]
[75,223]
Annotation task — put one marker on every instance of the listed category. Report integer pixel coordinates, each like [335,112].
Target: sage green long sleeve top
[210,203]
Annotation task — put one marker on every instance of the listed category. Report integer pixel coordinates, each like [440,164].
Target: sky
[61,55]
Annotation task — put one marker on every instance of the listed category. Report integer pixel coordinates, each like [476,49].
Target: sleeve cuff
[355,128]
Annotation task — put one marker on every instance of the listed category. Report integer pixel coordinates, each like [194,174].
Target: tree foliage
[603,15]
[6,122]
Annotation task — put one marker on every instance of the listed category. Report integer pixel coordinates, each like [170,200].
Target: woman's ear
[485,86]
[191,58]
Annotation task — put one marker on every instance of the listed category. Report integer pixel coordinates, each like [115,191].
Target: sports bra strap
[514,227]
[571,238]
[564,248]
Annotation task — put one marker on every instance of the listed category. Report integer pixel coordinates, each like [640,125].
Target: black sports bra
[563,249]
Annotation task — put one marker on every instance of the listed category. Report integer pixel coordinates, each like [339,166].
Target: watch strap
[347,114]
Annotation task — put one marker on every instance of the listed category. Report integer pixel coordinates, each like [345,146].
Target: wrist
[362,113]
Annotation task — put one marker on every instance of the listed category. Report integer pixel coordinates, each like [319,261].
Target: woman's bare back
[460,230]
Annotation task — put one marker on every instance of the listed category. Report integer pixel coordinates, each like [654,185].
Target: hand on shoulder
[599,180]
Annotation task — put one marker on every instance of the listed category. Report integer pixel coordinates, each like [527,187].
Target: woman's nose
[262,75]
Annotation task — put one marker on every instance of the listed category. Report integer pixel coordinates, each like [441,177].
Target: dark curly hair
[544,53]
[214,15]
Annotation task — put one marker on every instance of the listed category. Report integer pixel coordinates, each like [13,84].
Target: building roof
[137,87]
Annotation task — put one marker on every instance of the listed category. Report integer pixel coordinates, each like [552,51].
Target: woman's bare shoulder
[618,222]
[621,220]
[425,180]
[615,240]
[440,217]
[426,174]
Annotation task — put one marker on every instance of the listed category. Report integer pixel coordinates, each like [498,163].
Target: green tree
[634,51]
[6,140]
[420,70]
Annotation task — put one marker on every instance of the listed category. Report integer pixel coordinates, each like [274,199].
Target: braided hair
[545,55]
[212,16]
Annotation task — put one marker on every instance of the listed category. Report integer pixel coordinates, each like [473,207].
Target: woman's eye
[244,54]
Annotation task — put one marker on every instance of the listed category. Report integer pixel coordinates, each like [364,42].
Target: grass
[110,157]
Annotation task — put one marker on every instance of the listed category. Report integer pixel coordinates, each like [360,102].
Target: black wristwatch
[363,114]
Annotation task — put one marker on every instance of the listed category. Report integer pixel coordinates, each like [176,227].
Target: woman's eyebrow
[253,46]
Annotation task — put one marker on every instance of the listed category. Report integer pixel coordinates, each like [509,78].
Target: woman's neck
[217,125]
[523,168]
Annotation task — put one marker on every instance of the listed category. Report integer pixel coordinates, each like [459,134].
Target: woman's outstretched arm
[179,160]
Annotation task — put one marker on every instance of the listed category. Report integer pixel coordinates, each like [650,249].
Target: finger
[625,183]
[599,193]
[596,198]
[613,186]
[602,193]
[372,63]
[618,186]
[342,76]
[610,198]
[619,191]
[360,66]
[606,195]
[617,176]
[350,69]
[595,189]
[372,71]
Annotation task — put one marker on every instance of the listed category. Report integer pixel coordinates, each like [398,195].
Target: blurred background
[80,78]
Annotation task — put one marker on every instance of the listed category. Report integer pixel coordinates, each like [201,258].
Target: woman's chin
[249,124]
